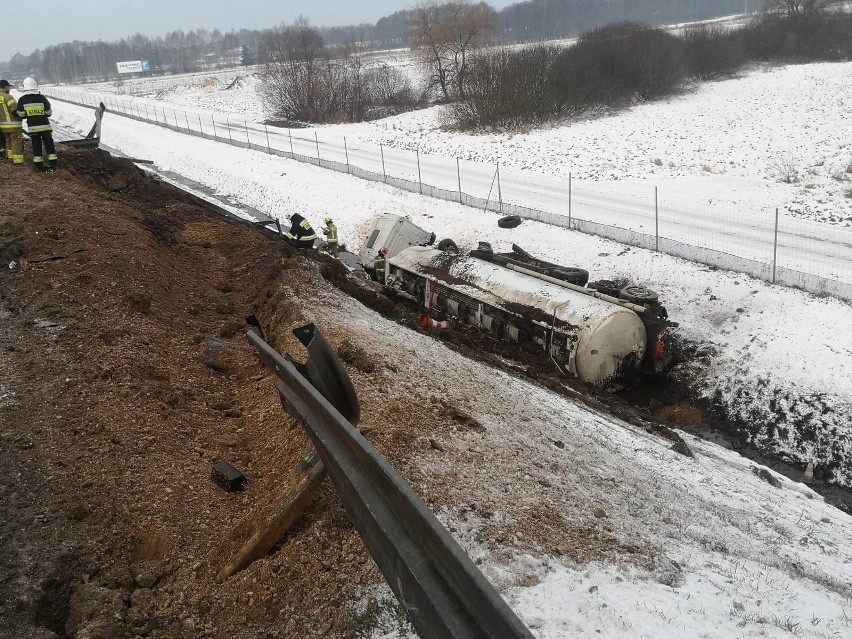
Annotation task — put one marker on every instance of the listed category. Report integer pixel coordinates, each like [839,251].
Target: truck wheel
[509,222]
[638,294]
[448,245]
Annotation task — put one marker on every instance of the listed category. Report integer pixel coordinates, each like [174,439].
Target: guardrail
[442,591]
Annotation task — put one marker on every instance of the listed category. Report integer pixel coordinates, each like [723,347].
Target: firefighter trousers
[45,138]
[14,145]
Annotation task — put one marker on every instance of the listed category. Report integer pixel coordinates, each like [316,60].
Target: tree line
[198,50]
[627,63]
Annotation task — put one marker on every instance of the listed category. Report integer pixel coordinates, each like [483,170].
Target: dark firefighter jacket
[35,108]
[301,232]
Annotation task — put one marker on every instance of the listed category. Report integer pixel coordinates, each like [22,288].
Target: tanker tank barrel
[580,289]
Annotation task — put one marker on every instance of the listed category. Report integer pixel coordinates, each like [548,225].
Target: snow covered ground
[708,171]
[733,556]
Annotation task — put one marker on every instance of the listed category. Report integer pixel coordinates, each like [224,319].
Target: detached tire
[448,245]
[509,222]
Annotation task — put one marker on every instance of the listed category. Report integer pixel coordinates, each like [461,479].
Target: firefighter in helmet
[35,109]
[379,264]
[330,232]
[10,125]
[301,233]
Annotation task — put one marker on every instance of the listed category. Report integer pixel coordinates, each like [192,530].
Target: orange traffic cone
[428,322]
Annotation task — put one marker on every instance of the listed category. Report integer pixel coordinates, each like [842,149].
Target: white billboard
[134,66]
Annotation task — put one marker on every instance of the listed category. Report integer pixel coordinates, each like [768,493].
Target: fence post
[316,139]
[458,172]
[569,199]
[215,135]
[228,124]
[384,174]
[499,193]
[346,149]
[775,246]
[266,128]
[186,119]
[200,128]
[147,117]
[657,219]
[290,133]
[248,139]
[419,178]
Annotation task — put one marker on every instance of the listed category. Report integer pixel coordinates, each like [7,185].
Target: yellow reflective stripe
[34,109]
[10,126]
[40,129]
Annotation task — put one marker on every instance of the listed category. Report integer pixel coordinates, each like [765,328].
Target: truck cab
[395,233]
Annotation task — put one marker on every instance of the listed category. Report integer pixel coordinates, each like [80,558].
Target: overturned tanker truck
[607,333]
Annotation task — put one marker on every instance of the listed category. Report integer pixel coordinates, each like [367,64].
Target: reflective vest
[9,120]
[331,233]
[35,108]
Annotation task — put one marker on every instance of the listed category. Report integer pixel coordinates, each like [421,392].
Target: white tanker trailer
[593,336]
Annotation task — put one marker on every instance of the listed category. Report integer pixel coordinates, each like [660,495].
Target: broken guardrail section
[442,591]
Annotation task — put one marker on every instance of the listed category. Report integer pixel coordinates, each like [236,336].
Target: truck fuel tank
[591,338]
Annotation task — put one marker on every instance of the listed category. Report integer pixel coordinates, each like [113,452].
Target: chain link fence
[779,249]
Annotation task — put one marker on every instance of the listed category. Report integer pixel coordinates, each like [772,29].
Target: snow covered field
[712,176]
[733,556]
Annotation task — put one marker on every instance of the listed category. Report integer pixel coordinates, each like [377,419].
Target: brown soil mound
[123,308]
[124,375]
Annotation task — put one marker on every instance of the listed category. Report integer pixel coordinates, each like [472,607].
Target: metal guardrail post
[458,173]
[443,592]
[499,192]
[266,129]
[569,200]
[384,174]
[657,219]
[316,139]
[346,150]
[775,247]
[419,178]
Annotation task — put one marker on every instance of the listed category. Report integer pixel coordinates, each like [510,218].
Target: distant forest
[183,52]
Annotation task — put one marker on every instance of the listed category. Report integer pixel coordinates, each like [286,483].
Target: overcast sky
[31,26]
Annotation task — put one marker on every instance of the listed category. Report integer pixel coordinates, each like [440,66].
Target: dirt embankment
[124,375]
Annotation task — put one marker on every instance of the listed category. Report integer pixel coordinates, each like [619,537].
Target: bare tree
[444,35]
[292,73]
[801,8]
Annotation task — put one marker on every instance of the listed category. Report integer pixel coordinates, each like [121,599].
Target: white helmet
[30,84]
